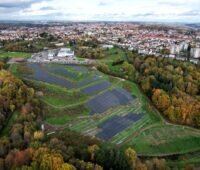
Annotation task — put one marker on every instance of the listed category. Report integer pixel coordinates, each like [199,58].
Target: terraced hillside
[112,109]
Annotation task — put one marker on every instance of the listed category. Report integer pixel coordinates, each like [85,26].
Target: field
[14,54]
[67,90]
[166,140]
[112,54]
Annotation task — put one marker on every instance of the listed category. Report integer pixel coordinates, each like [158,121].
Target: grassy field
[150,136]
[163,140]
[14,54]
[112,54]
[61,120]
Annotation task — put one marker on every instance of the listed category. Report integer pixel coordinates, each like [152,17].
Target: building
[65,52]
[195,52]
[59,44]
[107,46]
[51,54]
[175,49]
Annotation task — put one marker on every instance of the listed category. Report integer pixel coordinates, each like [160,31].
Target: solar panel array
[40,74]
[123,95]
[117,124]
[109,99]
[62,71]
[88,81]
[95,88]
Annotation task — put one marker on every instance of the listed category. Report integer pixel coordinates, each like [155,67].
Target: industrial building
[65,52]
[54,55]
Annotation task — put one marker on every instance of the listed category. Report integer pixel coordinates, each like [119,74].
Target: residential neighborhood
[170,42]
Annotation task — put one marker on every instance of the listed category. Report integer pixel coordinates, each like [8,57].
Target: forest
[172,86]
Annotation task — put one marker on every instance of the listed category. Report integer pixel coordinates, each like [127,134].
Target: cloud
[17,4]
[191,13]
[102,3]
[126,10]
[148,14]
[171,3]
[47,8]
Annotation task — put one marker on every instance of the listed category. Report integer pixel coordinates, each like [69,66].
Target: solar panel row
[109,99]
[122,95]
[62,71]
[95,88]
[117,124]
[88,81]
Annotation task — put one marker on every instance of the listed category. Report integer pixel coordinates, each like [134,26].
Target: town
[181,43]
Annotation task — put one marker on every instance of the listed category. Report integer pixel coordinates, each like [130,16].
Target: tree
[93,150]
[112,158]
[67,166]
[46,159]
[132,156]
[103,67]
[161,99]
[38,135]
[2,164]
[1,65]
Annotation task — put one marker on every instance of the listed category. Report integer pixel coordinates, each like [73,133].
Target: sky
[102,10]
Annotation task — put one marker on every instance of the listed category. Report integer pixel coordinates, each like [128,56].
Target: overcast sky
[101,10]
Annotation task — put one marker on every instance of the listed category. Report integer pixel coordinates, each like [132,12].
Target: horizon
[97,21]
[164,11]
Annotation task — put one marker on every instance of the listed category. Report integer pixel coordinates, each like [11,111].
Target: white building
[183,46]
[65,52]
[107,46]
[175,49]
[195,52]
[51,54]
[59,44]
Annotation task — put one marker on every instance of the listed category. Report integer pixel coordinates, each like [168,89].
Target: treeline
[31,46]
[173,86]
[65,151]
[91,53]
[25,46]
[90,42]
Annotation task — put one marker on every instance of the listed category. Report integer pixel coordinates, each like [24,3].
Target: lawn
[163,140]
[112,54]
[61,120]
[14,54]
